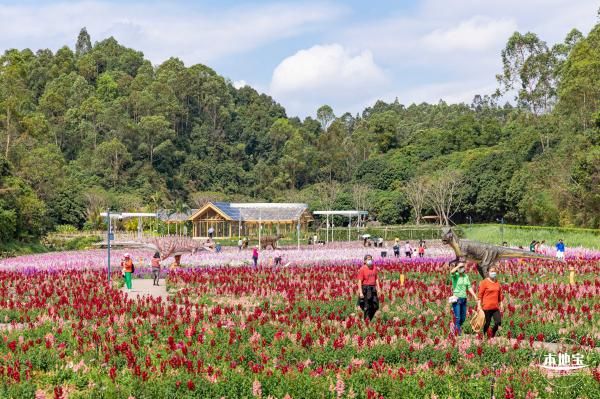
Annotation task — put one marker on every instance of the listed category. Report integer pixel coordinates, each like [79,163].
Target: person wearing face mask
[461,284]
[368,287]
[490,295]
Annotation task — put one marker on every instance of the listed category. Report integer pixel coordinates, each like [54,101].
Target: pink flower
[340,387]
[257,389]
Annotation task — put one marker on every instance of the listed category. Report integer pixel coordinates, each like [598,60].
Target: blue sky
[346,54]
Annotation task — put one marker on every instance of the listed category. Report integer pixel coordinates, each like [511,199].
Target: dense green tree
[101,126]
[154,130]
[14,95]
[84,43]
[110,158]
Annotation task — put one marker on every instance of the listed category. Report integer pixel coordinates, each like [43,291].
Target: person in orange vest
[128,268]
[176,262]
[490,298]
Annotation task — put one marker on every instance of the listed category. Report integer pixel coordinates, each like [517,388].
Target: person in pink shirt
[255,256]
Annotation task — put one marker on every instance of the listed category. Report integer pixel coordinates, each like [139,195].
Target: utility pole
[501,220]
[108,236]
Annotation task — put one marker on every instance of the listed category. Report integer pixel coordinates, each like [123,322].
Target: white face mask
[461,270]
[369,263]
[492,275]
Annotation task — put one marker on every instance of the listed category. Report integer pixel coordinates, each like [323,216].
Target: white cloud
[451,50]
[475,34]
[161,30]
[326,74]
[238,84]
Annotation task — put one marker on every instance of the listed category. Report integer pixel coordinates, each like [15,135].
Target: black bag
[361,303]
[132,268]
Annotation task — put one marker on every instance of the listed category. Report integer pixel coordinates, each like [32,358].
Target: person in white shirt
[408,250]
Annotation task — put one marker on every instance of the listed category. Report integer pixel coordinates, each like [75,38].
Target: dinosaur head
[447,235]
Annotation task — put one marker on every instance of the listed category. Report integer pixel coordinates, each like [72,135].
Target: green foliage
[8,224]
[523,235]
[103,118]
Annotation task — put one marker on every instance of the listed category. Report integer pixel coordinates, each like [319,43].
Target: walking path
[141,287]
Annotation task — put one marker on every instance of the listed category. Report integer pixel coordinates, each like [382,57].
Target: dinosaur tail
[510,253]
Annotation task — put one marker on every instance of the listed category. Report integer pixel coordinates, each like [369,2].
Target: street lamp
[109,238]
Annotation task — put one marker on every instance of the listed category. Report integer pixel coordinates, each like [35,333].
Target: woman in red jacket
[368,287]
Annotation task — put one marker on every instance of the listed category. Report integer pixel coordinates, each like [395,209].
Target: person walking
[396,248]
[211,232]
[408,250]
[255,256]
[461,284]
[491,298]
[368,287]
[532,246]
[128,268]
[155,268]
[560,250]
[421,249]
[240,244]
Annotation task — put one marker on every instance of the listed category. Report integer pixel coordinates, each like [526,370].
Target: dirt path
[142,287]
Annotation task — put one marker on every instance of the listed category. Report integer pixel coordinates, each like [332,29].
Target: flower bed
[288,332]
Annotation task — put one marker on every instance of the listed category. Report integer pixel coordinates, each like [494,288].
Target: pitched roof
[291,213]
[164,215]
[259,211]
[227,209]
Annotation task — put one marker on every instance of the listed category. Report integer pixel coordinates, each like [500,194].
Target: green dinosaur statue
[485,255]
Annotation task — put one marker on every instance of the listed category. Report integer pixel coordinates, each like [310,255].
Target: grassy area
[523,235]
[16,248]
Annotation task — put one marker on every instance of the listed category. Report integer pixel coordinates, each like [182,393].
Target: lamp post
[501,220]
[108,239]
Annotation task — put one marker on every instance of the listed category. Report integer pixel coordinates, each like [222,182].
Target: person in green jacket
[461,284]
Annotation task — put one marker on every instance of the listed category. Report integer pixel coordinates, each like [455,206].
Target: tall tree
[325,116]
[444,194]
[84,43]
[154,130]
[14,94]
[528,70]
[109,159]
[416,192]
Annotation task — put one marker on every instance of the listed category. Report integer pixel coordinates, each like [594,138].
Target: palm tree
[157,199]
[180,207]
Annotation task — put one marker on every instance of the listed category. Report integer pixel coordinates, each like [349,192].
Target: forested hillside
[100,125]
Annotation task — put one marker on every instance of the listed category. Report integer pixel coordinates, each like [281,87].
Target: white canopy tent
[292,211]
[126,215]
[358,214]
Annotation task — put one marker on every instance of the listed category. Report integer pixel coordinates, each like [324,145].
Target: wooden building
[230,220]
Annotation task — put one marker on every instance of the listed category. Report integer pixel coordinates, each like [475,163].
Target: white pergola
[265,205]
[350,214]
[126,215]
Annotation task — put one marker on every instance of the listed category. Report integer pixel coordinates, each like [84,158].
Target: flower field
[287,332]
